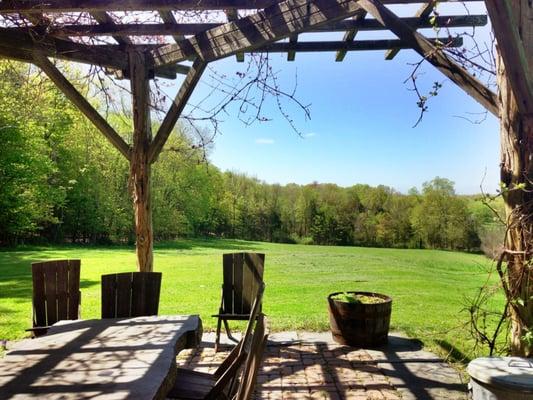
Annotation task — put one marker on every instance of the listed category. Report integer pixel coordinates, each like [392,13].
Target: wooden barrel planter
[360,324]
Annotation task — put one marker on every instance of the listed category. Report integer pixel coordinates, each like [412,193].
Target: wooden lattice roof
[100,32]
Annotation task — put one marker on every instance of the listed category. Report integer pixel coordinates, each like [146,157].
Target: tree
[26,198]
[441,219]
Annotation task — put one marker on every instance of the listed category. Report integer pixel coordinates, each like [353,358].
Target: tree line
[60,181]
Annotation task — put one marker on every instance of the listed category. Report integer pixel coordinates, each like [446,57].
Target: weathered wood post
[513,26]
[140,167]
[516,131]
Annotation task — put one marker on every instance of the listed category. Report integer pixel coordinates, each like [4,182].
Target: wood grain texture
[514,34]
[274,23]
[56,286]
[49,46]
[153,29]
[108,359]
[130,294]
[516,169]
[140,169]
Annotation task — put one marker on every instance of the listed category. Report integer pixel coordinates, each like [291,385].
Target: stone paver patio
[312,366]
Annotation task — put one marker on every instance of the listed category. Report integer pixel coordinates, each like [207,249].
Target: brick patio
[311,366]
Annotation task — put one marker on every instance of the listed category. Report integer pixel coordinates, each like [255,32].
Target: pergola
[34,31]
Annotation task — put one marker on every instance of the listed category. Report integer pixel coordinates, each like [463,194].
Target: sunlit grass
[428,287]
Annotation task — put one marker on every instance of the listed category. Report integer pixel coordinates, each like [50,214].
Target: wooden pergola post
[140,166]
[513,26]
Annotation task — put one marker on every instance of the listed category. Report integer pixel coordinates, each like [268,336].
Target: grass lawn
[428,287]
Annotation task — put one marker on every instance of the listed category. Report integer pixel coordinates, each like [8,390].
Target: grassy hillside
[428,287]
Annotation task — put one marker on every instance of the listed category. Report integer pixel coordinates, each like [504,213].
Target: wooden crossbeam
[512,50]
[183,95]
[59,6]
[349,36]
[359,45]
[291,55]
[83,105]
[63,49]
[177,30]
[21,46]
[169,19]
[423,13]
[233,15]
[274,23]
[103,18]
[16,54]
[432,54]
[301,47]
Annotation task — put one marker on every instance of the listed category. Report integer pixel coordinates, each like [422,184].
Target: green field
[428,287]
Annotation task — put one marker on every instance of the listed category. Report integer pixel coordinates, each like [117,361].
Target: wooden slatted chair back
[56,292]
[130,294]
[243,274]
[253,359]
[204,386]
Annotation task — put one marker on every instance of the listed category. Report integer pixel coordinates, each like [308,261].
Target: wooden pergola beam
[359,45]
[60,6]
[233,15]
[291,55]
[433,55]
[274,23]
[104,18]
[423,13]
[285,47]
[349,36]
[171,29]
[64,49]
[83,105]
[179,103]
[511,48]
[168,18]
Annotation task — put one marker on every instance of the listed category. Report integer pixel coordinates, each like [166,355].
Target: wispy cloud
[309,135]
[264,141]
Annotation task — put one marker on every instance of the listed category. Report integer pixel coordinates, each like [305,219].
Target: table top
[126,358]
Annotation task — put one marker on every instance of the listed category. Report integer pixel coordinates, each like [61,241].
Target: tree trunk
[517,185]
[140,170]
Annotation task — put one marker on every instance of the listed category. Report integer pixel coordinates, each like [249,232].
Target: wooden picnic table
[126,358]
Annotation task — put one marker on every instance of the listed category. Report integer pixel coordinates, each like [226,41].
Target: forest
[60,181]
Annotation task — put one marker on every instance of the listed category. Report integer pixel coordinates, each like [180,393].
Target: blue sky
[361,127]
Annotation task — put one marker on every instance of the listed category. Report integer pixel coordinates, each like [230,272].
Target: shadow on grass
[16,279]
[208,243]
[177,244]
[454,354]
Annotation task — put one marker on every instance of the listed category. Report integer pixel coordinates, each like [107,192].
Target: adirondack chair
[130,294]
[253,360]
[242,275]
[195,385]
[56,293]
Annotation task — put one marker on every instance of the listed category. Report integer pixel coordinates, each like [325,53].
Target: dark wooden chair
[195,385]
[56,293]
[253,360]
[242,276]
[130,294]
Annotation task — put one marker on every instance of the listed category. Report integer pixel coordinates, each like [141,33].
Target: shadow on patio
[312,366]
